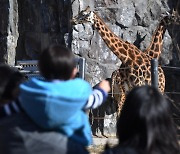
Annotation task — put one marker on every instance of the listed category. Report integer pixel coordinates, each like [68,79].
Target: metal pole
[154,73]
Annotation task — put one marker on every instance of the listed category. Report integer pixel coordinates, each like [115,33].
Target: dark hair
[10,78]
[146,124]
[56,62]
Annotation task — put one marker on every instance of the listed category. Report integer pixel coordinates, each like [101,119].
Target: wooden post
[154,73]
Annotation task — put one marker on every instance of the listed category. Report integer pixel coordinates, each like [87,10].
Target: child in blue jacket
[59,102]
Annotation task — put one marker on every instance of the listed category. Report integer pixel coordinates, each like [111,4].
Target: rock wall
[8,31]
[27,26]
[42,23]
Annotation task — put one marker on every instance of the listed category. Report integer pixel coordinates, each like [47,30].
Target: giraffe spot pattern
[113,47]
[107,41]
[129,62]
[102,34]
[143,67]
[127,42]
[151,53]
[106,29]
[148,74]
[146,61]
[140,72]
[131,54]
[112,40]
[97,25]
[100,22]
[156,39]
[107,34]
[137,81]
[157,48]
[131,47]
[144,73]
[119,44]
[156,55]
[125,46]
[117,54]
[152,47]
[124,52]
[139,61]
[98,28]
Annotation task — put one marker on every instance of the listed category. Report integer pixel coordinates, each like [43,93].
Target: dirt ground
[99,144]
[96,149]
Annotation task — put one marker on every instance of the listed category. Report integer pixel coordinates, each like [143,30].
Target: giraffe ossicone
[138,70]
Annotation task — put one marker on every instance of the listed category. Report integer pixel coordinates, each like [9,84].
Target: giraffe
[154,49]
[138,64]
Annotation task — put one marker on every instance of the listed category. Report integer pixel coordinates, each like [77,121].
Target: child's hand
[104,84]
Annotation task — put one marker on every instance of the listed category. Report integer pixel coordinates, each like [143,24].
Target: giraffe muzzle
[73,21]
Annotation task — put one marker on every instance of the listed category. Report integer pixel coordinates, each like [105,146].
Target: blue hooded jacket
[58,106]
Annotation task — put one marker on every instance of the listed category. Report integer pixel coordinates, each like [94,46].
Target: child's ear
[74,72]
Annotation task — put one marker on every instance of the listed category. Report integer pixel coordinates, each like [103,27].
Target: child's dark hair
[10,79]
[56,62]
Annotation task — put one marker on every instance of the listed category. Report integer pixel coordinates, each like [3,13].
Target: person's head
[10,78]
[145,121]
[57,62]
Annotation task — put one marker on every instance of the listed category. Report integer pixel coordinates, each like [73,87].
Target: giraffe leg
[113,77]
[121,101]
[118,89]
[161,77]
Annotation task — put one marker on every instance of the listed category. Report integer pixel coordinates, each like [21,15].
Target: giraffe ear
[176,17]
[88,8]
[164,14]
[173,12]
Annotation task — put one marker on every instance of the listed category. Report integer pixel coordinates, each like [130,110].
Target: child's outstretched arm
[99,95]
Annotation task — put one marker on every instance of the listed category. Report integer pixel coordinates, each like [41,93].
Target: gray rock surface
[42,23]
[27,26]
[8,31]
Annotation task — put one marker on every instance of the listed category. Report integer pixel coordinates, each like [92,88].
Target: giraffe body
[137,63]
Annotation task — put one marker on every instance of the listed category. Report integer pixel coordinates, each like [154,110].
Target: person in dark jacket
[10,79]
[145,125]
[20,135]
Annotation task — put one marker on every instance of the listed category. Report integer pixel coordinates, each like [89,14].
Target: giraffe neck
[125,51]
[155,48]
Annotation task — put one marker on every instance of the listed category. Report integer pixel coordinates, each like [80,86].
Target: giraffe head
[171,18]
[83,17]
